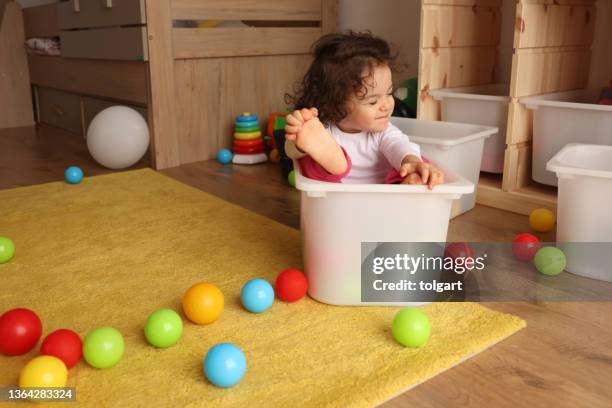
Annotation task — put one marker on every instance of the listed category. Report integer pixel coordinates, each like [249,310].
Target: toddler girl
[340,130]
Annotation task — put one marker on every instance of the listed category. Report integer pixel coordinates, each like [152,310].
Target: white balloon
[118,137]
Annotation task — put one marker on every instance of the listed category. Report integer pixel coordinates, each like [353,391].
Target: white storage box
[456,146]
[480,105]
[562,118]
[336,218]
[583,207]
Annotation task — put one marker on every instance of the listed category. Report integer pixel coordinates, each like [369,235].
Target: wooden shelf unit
[558,45]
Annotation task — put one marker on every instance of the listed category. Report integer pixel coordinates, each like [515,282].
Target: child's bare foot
[306,130]
[310,136]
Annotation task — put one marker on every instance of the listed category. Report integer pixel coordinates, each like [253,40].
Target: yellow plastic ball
[44,372]
[203,303]
[542,219]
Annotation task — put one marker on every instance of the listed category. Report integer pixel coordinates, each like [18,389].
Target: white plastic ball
[118,137]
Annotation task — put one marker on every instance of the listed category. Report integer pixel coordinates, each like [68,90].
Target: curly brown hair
[336,72]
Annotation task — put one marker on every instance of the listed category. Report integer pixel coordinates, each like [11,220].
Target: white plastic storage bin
[480,105]
[336,218]
[583,207]
[562,118]
[456,146]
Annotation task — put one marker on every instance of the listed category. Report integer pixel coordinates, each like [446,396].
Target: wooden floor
[32,155]
[562,359]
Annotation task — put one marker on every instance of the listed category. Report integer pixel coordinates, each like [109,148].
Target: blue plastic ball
[257,295]
[73,175]
[224,156]
[225,365]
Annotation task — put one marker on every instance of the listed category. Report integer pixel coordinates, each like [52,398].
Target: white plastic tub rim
[576,99]
[580,159]
[489,92]
[454,187]
[444,135]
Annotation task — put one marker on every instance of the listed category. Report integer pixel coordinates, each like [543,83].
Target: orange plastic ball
[203,303]
[274,156]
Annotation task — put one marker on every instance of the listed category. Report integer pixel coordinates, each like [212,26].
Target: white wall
[397,21]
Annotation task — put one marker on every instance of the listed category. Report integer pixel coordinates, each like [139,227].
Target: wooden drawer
[59,109]
[120,80]
[41,21]
[92,106]
[115,43]
[100,13]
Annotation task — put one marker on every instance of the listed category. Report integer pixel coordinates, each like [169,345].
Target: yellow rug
[114,248]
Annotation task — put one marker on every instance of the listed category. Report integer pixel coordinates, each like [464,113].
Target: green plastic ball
[163,328]
[103,347]
[291,178]
[550,261]
[7,249]
[411,327]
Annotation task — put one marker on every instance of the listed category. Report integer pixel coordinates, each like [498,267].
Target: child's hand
[415,171]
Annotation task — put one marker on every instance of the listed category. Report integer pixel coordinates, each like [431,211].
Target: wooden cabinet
[58,108]
[93,106]
[556,45]
[115,43]
[74,14]
[71,111]
[103,29]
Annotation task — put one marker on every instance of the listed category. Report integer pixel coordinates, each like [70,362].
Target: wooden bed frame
[15,98]
[192,81]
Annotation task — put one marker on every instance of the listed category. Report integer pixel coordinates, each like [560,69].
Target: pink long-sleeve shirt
[372,158]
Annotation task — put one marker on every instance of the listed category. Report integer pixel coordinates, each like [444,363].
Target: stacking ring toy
[247,124]
[247,136]
[245,117]
[248,143]
[248,150]
[247,129]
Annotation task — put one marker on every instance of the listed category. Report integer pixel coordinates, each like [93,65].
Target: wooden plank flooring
[36,155]
[562,359]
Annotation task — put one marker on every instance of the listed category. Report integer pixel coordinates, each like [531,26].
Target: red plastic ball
[458,250]
[63,344]
[291,285]
[20,330]
[525,246]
